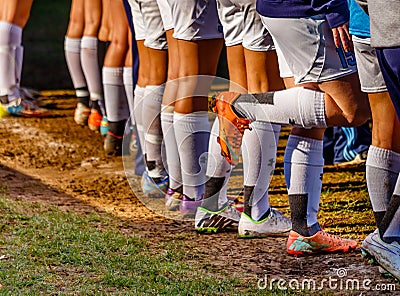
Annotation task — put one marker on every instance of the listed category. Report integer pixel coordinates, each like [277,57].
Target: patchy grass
[47,251]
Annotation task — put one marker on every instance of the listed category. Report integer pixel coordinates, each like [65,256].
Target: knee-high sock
[128,84]
[217,174]
[72,49]
[296,106]
[391,220]
[192,133]
[10,40]
[303,165]
[114,95]
[382,171]
[259,156]
[171,148]
[19,59]
[152,131]
[138,112]
[91,69]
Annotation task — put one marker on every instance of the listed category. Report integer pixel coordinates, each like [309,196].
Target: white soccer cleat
[276,224]
[386,255]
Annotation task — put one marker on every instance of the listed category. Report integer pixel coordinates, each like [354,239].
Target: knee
[359,117]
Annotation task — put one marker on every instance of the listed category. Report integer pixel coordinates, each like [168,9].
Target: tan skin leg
[16,12]
[118,48]
[158,66]
[385,124]
[171,86]
[105,30]
[144,65]
[92,17]
[129,57]
[262,71]
[196,58]
[76,19]
[237,68]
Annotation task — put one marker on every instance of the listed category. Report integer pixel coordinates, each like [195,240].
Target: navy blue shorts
[389,60]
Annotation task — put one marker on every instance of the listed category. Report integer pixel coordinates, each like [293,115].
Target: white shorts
[369,71]
[242,24]
[155,33]
[166,14]
[306,44]
[195,19]
[138,23]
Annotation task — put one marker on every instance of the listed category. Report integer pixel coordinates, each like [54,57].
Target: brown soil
[54,161]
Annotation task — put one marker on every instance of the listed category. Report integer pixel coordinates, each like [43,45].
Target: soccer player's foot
[22,107]
[104,126]
[94,120]
[384,254]
[172,200]
[113,144]
[231,127]
[225,219]
[152,188]
[276,224]
[321,242]
[81,114]
[188,207]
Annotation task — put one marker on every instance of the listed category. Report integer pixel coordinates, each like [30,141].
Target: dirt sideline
[54,161]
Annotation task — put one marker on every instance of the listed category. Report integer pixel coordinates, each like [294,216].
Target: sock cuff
[127,75]
[155,91]
[383,159]
[11,34]
[167,117]
[318,99]
[89,42]
[113,75]
[72,44]
[192,122]
[139,91]
[305,144]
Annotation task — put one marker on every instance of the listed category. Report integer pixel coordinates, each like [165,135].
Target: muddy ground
[54,161]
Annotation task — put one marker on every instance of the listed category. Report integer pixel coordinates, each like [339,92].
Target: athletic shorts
[306,44]
[166,14]
[147,17]
[242,24]
[370,74]
[138,23]
[195,19]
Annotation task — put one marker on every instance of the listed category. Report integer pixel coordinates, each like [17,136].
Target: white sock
[10,39]
[382,171]
[19,59]
[138,111]
[72,49]
[171,149]
[259,156]
[217,166]
[303,165]
[91,69]
[296,106]
[192,132]
[152,130]
[114,94]
[128,84]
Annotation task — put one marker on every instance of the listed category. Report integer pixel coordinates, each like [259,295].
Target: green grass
[44,250]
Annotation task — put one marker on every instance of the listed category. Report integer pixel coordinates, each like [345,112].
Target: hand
[341,37]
